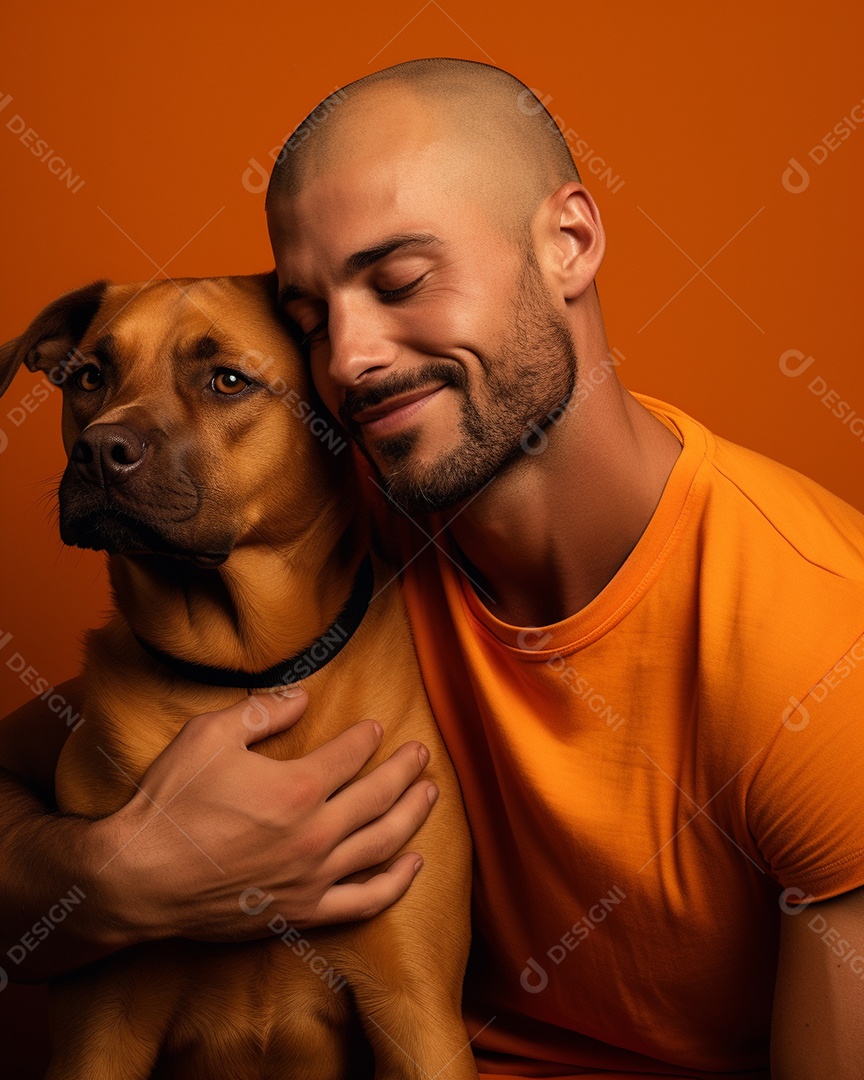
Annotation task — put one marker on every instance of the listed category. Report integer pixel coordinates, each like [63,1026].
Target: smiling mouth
[394,410]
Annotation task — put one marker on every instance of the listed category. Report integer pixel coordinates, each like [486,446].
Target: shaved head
[489,135]
[435,249]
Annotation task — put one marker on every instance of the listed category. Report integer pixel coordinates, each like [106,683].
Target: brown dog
[197,461]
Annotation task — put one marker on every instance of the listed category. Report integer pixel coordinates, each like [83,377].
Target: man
[639,640]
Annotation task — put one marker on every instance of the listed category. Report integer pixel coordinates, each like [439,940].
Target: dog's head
[189,419]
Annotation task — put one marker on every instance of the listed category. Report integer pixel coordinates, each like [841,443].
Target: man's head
[432,240]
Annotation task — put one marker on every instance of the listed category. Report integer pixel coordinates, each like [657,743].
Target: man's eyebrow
[360,260]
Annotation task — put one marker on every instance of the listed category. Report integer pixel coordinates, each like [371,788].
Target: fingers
[345,903]
[372,795]
[260,715]
[336,762]
[382,838]
[327,823]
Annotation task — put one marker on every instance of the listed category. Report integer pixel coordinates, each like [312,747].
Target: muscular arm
[43,853]
[32,737]
[818,1024]
[288,829]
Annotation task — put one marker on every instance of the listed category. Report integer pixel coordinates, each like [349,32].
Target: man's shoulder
[804,516]
[763,510]
[778,575]
[778,579]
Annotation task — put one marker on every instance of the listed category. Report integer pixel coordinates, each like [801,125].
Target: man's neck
[547,536]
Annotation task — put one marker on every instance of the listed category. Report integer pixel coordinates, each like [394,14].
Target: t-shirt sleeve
[805,806]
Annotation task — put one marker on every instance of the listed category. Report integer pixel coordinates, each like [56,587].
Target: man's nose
[361,342]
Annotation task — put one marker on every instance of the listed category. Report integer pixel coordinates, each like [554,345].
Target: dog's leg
[323,1039]
[411,1008]
[112,1028]
[410,960]
[258,1012]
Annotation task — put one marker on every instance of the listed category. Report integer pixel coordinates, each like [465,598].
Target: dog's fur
[234,535]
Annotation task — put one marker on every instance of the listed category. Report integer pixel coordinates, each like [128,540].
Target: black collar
[301,665]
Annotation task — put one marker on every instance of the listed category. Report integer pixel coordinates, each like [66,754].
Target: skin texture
[518,395]
[463,112]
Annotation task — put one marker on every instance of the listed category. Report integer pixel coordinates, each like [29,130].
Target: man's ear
[53,334]
[575,239]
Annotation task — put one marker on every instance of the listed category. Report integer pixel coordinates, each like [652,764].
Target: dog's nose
[107,454]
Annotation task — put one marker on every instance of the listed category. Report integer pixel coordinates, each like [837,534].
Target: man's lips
[396,409]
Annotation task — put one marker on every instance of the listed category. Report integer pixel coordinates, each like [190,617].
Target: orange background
[159,108]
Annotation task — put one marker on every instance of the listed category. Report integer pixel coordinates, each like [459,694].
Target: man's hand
[817,1031]
[217,829]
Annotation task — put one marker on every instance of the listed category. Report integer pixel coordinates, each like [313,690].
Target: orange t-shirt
[643,779]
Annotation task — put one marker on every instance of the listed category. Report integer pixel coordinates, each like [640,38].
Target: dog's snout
[107,454]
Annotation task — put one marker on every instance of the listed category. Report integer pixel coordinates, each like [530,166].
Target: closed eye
[306,339]
[394,294]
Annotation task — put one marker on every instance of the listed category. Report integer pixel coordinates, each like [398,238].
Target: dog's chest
[264,1010]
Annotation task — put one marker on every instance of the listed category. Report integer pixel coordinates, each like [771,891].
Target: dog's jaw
[121,534]
[105,520]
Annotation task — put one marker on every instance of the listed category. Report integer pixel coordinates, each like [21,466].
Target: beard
[527,383]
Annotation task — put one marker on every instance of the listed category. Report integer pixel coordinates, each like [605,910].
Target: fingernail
[291,691]
[423,754]
[417,865]
[379,731]
[432,793]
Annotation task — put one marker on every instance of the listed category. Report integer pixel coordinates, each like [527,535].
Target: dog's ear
[53,334]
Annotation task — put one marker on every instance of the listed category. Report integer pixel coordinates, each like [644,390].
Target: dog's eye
[228,382]
[88,378]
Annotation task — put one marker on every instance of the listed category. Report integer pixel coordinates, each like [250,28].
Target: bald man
[639,640]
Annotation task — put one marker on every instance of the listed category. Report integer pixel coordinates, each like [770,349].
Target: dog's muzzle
[118,496]
[108,454]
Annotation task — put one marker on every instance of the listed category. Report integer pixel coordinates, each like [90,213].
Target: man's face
[430,332]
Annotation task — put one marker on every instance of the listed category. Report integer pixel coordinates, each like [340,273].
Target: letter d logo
[533,448]
[255,714]
[525,978]
[253,901]
[793,901]
[792,370]
[796,178]
[530,102]
[540,638]
[795,716]
[252,183]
